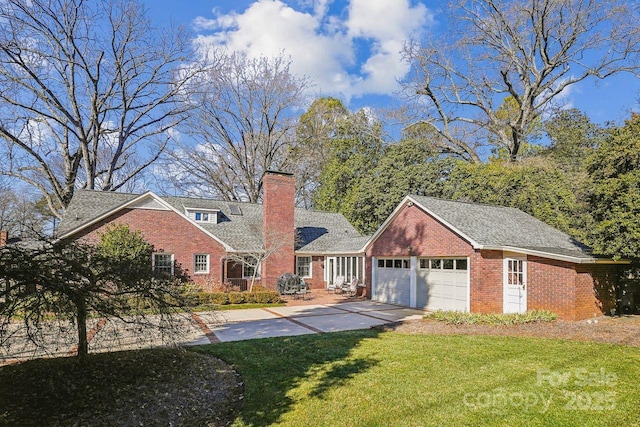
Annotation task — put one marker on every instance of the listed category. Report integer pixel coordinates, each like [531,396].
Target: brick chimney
[4,237]
[278,227]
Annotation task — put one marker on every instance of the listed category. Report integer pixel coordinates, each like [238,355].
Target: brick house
[430,253]
[207,240]
[441,254]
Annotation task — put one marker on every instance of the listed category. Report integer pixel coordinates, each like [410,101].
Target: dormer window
[203,215]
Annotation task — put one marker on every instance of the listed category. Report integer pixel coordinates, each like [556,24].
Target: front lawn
[360,378]
[367,378]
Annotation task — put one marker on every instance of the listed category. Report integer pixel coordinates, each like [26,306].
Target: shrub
[236,298]
[223,298]
[462,318]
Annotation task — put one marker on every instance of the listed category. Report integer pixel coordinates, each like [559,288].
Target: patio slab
[306,310]
[244,315]
[398,314]
[364,306]
[340,322]
[258,329]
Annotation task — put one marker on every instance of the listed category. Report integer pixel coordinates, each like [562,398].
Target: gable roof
[318,232]
[499,228]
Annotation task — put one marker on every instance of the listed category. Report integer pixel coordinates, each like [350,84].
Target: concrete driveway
[208,327]
[236,325]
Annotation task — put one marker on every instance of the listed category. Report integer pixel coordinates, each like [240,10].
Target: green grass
[367,378]
[463,318]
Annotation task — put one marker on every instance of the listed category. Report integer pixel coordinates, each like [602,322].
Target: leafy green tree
[410,166]
[69,280]
[534,185]
[353,153]
[573,138]
[614,199]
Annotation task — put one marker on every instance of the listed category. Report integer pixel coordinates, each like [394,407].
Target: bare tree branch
[86,89]
[529,51]
[243,125]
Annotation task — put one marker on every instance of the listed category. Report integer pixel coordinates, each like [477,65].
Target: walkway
[211,327]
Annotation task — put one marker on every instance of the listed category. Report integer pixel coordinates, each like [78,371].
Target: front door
[515,285]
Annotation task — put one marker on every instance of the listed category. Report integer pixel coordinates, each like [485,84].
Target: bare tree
[529,50]
[315,130]
[88,93]
[273,243]
[242,127]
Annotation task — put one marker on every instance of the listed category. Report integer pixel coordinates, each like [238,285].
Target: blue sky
[350,48]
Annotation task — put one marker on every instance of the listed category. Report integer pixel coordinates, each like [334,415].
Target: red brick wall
[486,282]
[551,286]
[414,228]
[596,289]
[169,232]
[278,224]
[316,281]
[4,236]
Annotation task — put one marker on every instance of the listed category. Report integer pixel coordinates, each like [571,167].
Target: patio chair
[351,287]
[302,290]
[338,284]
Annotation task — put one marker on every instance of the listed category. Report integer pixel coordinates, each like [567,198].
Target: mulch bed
[161,387]
[623,330]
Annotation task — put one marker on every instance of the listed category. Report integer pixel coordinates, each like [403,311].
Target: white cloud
[348,54]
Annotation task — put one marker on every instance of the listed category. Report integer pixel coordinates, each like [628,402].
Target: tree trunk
[83,343]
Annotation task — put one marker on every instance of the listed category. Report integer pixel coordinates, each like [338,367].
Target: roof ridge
[468,202]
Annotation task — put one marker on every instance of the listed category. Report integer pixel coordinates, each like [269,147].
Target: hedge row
[223,298]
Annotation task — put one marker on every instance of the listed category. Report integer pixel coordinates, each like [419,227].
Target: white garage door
[393,281]
[442,284]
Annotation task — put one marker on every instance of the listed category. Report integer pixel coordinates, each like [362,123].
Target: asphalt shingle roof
[318,232]
[490,225]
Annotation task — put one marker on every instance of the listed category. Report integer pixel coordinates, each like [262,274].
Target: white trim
[409,201]
[153,261]
[374,278]
[550,255]
[468,284]
[208,264]
[136,200]
[505,280]
[413,283]
[212,213]
[310,265]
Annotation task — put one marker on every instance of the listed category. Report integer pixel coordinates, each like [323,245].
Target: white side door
[515,284]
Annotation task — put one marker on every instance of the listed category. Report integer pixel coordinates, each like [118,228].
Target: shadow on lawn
[271,368]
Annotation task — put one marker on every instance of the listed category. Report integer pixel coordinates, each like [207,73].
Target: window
[203,215]
[163,264]
[201,263]
[515,272]
[394,263]
[249,267]
[303,266]
[443,264]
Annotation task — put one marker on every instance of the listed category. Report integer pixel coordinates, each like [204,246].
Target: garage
[393,281]
[442,284]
